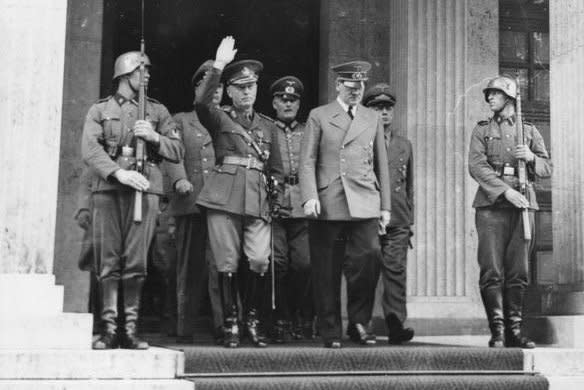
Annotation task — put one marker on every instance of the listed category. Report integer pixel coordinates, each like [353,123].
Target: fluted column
[441,51]
[32,49]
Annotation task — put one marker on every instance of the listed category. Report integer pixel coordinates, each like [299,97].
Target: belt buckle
[249,163]
[508,171]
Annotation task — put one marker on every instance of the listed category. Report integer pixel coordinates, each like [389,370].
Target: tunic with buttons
[198,163]
[401,174]
[233,188]
[290,141]
[491,150]
[107,128]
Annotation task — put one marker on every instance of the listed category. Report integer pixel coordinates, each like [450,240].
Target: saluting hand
[183,187]
[144,130]
[516,198]
[225,52]
[132,179]
[524,153]
[312,208]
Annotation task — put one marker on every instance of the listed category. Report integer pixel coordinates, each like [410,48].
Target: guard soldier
[236,192]
[344,181]
[121,246]
[503,252]
[396,238]
[187,179]
[294,300]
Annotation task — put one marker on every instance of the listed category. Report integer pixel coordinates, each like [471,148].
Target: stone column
[441,54]
[31,92]
[562,305]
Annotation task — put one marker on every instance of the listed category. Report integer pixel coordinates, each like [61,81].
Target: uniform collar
[292,125]
[510,120]
[121,99]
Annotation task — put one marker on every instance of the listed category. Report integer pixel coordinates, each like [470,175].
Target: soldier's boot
[228,294]
[108,338]
[281,329]
[397,333]
[255,286]
[493,303]
[132,297]
[514,318]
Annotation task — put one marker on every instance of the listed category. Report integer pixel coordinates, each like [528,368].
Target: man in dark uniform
[236,193]
[344,181]
[503,251]
[120,245]
[294,299]
[186,180]
[396,238]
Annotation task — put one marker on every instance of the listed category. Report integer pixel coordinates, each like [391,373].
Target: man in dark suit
[235,194]
[396,237]
[186,180]
[344,181]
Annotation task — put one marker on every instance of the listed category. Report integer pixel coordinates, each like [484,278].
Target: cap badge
[358,75]
[289,89]
[246,71]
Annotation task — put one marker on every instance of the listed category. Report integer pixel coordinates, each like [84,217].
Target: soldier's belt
[506,171]
[292,179]
[247,162]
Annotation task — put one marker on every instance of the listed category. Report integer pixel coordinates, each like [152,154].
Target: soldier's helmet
[128,62]
[505,84]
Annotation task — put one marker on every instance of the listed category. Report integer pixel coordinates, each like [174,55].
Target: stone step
[555,361]
[38,296]
[566,382]
[95,384]
[59,331]
[154,363]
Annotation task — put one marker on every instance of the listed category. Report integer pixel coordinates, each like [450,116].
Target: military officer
[187,179]
[396,237]
[120,245]
[503,252]
[344,182]
[235,193]
[294,300]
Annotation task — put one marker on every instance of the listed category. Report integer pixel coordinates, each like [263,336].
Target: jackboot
[255,286]
[108,338]
[282,328]
[514,318]
[493,303]
[228,293]
[397,333]
[132,298]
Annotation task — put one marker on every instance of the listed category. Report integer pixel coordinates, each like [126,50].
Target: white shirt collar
[346,106]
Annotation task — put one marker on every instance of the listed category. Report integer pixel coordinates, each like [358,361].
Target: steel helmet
[505,84]
[128,62]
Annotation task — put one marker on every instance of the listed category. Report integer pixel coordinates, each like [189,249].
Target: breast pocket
[494,147]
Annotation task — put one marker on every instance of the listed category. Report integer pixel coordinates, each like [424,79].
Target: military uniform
[121,246]
[191,222]
[235,193]
[503,252]
[344,166]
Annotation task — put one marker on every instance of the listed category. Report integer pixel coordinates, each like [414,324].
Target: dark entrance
[182,34]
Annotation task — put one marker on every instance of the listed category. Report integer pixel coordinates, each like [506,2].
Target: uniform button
[397,189]
[202,147]
[342,160]
[508,149]
[205,171]
[508,135]
[205,159]
[342,147]
[401,159]
[344,174]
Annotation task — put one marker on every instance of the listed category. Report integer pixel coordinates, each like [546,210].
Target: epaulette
[153,100]
[266,117]
[483,123]
[103,100]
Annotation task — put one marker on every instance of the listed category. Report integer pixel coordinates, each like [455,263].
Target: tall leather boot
[397,333]
[514,318]
[132,297]
[228,293]
[108,338]
[282,326]
[255,286]
[493,302]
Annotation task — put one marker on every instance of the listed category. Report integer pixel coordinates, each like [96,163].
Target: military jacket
[196,166]
[401,173]
[290,141]
[107,129]
[84,192]
[490,155]
[234,188]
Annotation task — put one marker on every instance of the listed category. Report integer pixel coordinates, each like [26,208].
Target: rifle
[141,154]
[521,168]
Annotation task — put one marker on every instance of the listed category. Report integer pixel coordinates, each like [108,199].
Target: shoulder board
[265,117]
[105,99]
[153,100]
[483,123]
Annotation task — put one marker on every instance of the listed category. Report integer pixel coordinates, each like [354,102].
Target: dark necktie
[350,112]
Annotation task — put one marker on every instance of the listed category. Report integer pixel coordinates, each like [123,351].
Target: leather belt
[248,162]
[292,179]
